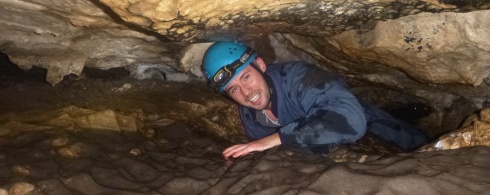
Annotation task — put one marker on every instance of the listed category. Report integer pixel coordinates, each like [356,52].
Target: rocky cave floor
[46,149]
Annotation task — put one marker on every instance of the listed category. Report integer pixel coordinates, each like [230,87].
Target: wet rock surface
[172,144]
[108,162]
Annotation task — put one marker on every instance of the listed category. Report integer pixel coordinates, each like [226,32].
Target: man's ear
[260,63]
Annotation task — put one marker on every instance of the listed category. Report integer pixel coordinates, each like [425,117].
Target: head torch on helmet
[227,72]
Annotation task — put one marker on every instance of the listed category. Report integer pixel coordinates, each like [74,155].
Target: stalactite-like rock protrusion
[67,35]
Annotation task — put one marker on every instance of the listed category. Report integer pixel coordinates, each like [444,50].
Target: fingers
[231,148]
[236,151]
[232,151]
[257,145]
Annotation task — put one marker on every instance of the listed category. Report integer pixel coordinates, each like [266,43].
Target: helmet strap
[265,76]
[256,67]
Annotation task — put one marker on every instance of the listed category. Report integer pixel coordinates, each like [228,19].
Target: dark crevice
[11,72]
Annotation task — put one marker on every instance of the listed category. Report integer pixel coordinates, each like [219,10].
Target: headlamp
[227,72]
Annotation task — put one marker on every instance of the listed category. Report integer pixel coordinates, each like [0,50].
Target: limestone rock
[16,126]
[66,36]
[21,170]
[60,141]
[195,108]
[73,35]
[158,71]
[21,189]
[75,151]
[72,117]
[53,186]
[192,58]
[485,115]
[84,183]
[162,122]
[423,173]
[190,20]
[420,47]
[399,44]
[184,185]
[105,165]
[476,135]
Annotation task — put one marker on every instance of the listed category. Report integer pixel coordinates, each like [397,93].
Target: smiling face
[249,88]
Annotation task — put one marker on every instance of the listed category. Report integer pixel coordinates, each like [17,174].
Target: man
[296,104]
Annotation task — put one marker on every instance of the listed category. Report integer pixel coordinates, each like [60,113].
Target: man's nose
[246,90]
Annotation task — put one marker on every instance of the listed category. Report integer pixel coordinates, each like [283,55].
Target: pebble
[21,189]
[60,141]
[135,151]
[75,151]
[21,170]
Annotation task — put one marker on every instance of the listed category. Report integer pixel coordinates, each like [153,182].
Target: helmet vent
[231,49]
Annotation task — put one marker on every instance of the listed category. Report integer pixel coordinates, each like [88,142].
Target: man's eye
[232,90]
[246,77]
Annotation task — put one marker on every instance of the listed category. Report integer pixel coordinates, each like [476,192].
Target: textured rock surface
[108,162]
[423,173]
[428,51]
[177,148]
[141,37]
[65,36]
[196,166]
[179,19]
[478,134]
[452,50]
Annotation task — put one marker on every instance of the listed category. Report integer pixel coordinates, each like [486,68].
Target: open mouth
[254,98]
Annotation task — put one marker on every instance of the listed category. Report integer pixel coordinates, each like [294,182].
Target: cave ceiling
[222,19]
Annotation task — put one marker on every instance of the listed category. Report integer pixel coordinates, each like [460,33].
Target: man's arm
[333,114]
[324,126]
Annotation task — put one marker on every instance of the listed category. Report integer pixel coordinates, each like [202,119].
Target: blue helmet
[224,60]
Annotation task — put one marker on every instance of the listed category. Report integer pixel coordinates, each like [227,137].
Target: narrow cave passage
[108,97]
[107,133]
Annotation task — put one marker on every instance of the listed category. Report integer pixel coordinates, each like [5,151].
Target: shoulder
[288,66]
[289,70]
[302,73]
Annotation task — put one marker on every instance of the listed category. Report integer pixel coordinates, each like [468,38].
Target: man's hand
[258,145]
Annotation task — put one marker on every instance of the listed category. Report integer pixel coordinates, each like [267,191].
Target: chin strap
[266,78]
[258,70]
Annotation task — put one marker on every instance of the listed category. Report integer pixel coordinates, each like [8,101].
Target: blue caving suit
[315,111]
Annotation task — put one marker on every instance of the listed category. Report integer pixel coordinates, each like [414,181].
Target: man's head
[234,68]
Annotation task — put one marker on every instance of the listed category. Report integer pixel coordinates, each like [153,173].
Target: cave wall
[67,35]
[437,48]
[435,52]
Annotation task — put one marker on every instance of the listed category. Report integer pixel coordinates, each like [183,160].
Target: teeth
[254,98]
